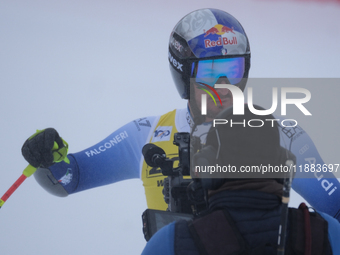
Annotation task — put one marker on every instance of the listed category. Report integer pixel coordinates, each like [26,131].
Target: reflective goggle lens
[209,71]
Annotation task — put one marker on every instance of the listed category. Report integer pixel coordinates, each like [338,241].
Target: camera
[177,191]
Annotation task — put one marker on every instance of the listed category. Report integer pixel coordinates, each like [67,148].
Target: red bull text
[221,41]
[219,30]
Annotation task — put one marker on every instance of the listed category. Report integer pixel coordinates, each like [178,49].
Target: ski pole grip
[29,170]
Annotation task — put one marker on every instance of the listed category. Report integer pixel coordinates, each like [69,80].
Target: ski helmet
[208,37]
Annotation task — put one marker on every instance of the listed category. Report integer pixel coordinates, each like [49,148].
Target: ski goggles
[209,71]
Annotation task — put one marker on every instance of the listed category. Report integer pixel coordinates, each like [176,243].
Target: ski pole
[28,171]
[58,155]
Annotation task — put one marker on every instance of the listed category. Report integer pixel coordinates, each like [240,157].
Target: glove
[44,148]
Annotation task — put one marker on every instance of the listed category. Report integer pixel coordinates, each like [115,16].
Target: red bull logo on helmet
[221,41]
[219,30]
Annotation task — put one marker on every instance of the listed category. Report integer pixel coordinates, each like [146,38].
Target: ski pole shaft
[10,191]
[28,171]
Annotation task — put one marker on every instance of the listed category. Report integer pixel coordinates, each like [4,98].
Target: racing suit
[119,157]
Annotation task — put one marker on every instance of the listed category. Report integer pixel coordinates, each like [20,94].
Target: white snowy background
[88,67]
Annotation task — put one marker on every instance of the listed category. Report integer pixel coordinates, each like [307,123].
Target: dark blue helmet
[208,34]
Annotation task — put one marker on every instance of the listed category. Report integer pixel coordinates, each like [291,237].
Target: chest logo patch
[162,133]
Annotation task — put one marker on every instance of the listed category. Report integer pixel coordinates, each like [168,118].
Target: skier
[198,56]
[245,213]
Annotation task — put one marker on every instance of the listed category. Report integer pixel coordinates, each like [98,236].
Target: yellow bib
[152,177]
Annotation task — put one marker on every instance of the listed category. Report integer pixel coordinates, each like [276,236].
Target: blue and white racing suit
[119,157]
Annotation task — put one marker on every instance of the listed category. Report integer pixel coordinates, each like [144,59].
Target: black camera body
[176,188]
